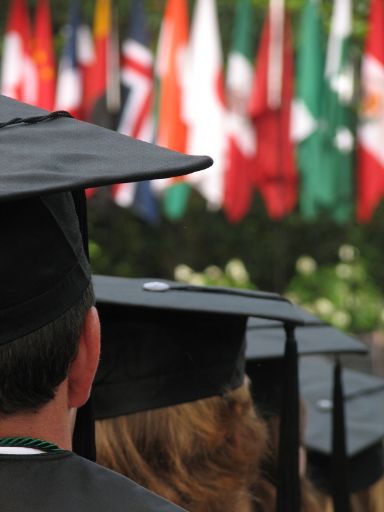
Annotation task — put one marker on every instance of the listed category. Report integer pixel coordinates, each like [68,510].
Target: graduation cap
[364,413]
[265,353]
[265,363]
[165,343]
[47,160]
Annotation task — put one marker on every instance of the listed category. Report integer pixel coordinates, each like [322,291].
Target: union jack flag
[136,117]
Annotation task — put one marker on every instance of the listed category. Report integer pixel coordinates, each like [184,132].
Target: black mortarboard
[190,345]
[46,162]
[265,353]
[43,269]
[265,363]
[165,343]
[364,415]
[265,338]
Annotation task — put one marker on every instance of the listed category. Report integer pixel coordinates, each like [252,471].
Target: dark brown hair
[33,366]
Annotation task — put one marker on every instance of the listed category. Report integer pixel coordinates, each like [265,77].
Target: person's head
[47,161]
[33,366]
[202,455]
[174,410]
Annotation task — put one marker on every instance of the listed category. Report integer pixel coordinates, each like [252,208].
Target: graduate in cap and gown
[265,351]
[49,329]
[172,401]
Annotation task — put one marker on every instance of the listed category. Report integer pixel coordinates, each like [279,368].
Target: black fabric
[340,486]
[43,268]
[153,358]
[84,436]
[267,384]
[67,154]
[63,482]
[288,486]
[363,400]
[364,468]
[178,298]
[265,340]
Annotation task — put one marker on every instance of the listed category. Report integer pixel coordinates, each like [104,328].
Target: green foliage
[343,294]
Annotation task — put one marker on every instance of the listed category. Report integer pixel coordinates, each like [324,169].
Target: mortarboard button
[156,286]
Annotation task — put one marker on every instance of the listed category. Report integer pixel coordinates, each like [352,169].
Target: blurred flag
[171,128]
[335,190]
[136,116]
[370,184]
[43,55]
[69,92]
[204,100]
[270,106]
[97,82]
[241,133]
[85,53]
[18,73]
[307,112]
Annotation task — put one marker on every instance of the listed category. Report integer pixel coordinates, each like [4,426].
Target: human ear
[83,368]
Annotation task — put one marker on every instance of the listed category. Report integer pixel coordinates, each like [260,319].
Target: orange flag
[171,128]
[43,57]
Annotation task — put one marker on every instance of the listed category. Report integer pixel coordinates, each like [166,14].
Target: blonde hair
[202,455]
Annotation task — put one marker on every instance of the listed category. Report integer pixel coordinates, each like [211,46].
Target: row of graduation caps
[48,153]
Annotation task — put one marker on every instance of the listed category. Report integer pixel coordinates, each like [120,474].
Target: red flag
[370,178]
[18,73]
[237,186]
[44,57]
[241,148]
[275,171]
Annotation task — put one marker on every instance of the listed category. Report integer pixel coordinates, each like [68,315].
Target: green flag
[336,190]
[307,107]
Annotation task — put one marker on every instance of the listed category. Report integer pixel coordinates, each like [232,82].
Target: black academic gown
[65,482]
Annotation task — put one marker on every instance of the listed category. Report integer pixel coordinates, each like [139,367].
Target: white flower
[306,265]
[348,253]
[236,270]
[197,279]
[183,273]
[341,319]
[213,272]
[324,306]
[343,271]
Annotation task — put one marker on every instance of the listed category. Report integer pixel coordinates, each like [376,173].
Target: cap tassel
[288,490]
[340,494]
[84,434]
[83,442]
[80,202]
